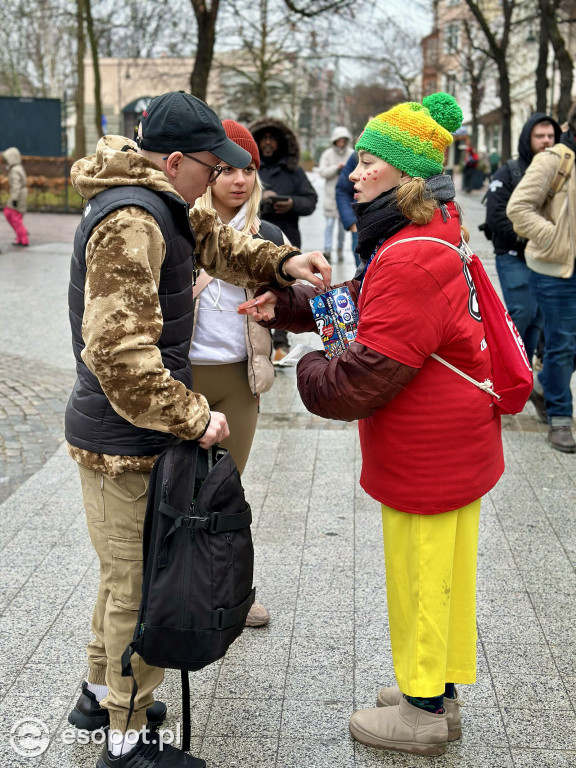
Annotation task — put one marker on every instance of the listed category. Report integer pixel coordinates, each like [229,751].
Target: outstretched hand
[304,266]
[261,308]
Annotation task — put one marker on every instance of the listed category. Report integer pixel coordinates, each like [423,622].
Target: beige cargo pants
[115,509]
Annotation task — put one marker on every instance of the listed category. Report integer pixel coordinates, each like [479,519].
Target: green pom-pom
[445,110]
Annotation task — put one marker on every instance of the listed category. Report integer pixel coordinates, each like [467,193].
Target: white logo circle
[29,737]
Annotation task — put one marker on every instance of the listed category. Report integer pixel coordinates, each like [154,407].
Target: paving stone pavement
[33,397]
[283,695]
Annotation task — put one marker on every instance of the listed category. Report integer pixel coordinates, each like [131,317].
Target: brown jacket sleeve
[353,385]
[293,312]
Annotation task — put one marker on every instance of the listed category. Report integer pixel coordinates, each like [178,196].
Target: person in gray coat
[332,161]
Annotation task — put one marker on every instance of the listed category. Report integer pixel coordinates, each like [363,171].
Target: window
[451,37]
[431,51]
[450,83]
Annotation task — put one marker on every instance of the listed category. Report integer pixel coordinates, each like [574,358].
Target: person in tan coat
[548,221]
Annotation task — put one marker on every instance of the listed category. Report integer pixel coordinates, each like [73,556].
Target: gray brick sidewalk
[283,695]
[32,401]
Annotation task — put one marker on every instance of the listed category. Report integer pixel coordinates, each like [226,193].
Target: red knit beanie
[243,138]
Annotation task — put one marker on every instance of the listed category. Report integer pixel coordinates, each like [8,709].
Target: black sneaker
[148,753]
[88,715]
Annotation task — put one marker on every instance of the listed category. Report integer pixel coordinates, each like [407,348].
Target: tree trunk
[498,52]
[96,67]
[562,55]
[505,107]
[542,70]
[80,131]
[566,68]
[206,20]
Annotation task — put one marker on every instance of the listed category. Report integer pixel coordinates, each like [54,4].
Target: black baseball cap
[179,122]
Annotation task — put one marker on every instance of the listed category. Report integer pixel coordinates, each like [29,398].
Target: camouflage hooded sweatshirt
[124,257]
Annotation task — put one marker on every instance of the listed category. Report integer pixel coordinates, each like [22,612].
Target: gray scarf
[379,219]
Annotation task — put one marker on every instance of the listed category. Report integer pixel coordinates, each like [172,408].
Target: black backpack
[516,174]
[198,565]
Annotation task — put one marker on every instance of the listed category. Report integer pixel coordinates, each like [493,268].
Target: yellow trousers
[431,589]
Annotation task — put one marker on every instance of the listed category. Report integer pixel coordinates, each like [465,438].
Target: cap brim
[231,153]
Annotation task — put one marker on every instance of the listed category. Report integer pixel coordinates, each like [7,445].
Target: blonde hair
[251,209]
[417,203]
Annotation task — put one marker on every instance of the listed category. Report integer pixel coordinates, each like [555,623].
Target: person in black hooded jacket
[282,176]
[287,195]
[539,132]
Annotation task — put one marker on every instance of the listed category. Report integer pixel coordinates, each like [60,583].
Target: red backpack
[512,379]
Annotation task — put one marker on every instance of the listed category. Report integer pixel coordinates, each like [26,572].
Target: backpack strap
[464,250]
[515,172]
[465,254]
[217,522]
[563,171]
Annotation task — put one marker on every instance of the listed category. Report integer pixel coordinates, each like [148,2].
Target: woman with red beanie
[231,354]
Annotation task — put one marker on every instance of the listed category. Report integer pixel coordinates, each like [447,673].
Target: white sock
[100,691]
[120,743]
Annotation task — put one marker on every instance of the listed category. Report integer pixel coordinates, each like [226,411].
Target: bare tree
[400,55]
[476,65]
[550,10]
[206,12]
[541,74]
[96,66]
[80,133]
[497,34]
[259,71]
[310,8]
[34,53]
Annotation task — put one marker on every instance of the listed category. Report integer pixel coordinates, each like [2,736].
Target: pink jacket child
[16,206]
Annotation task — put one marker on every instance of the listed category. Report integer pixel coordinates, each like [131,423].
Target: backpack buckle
[196,522]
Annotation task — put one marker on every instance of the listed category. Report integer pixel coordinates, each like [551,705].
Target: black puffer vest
[91,422]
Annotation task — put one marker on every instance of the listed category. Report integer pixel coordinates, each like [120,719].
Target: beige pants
[227,390]
[115,509]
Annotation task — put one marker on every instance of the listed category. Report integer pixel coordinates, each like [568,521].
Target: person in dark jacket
[431,440]
[539,132]
[282,177]
[345,201]
[287,192]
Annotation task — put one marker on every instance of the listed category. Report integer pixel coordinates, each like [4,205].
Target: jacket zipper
[249,340]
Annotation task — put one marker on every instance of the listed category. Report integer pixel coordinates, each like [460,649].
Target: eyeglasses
[215,170]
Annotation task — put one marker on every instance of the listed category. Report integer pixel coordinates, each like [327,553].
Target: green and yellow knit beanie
[413,137]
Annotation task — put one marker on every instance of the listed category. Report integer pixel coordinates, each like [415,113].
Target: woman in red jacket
[431,442]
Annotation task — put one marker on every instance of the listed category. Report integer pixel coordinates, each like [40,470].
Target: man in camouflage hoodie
[131,315]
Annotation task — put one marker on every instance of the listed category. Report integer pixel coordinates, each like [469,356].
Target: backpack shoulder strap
[515,172]
[563,171]
[463,250]
[466,256]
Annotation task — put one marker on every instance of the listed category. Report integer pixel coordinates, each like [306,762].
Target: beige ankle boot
[403,728]
[389,697]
